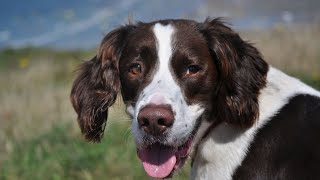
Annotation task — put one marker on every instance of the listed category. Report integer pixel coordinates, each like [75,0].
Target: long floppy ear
[242,73]
[97,84]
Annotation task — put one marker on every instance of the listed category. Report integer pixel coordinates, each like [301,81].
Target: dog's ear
[241,72]
[97,84]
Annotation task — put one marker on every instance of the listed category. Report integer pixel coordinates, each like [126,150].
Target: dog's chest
[221,152]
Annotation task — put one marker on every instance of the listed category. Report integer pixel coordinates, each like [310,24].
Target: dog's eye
[193,69]
[135,69]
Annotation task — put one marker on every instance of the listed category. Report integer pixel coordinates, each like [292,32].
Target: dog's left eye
[135,69]
[192,69]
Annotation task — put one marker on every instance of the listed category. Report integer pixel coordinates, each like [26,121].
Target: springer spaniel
[198,90]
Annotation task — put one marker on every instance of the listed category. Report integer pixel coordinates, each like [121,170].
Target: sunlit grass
[57,154]
[294,49]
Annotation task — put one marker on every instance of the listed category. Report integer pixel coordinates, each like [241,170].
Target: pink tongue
[158,161]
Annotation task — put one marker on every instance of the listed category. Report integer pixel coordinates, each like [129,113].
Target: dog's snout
[155,119]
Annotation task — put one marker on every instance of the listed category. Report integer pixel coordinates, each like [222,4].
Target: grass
[293,49]
[59,155]
[39,136]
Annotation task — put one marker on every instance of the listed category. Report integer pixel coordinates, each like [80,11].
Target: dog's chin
[160,161]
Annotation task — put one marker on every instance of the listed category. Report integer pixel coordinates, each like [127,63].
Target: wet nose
[155,119]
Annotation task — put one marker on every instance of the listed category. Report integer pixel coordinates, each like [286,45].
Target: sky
[76,24]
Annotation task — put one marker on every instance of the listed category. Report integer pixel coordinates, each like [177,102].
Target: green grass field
[39,135]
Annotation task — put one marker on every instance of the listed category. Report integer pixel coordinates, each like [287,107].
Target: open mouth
[160,161]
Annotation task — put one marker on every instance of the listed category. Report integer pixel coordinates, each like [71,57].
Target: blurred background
[42,43]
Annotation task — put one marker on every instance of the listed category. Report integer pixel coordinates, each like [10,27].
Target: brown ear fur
[242,73]
[97,84]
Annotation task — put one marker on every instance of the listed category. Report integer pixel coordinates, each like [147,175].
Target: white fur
[225,147]
[164,90]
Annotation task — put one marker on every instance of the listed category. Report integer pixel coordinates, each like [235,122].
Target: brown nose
[155,119]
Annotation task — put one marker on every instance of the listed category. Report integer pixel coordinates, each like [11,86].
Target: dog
[199,90]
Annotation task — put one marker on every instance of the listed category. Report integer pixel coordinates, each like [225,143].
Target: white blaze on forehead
[162,87]
[163,35]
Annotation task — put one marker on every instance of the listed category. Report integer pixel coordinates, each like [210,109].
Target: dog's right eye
[135,70]
[192,70]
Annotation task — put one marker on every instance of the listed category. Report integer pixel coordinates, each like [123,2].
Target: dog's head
[173,75]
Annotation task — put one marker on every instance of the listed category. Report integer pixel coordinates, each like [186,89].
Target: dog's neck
[224,148]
